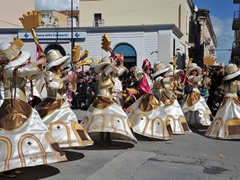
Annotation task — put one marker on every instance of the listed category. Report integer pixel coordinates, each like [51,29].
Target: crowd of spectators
[87,86]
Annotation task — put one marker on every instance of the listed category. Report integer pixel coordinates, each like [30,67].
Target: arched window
[55,47]
[129,54]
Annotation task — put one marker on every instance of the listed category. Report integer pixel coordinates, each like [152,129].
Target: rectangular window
[97,16]
[179,16]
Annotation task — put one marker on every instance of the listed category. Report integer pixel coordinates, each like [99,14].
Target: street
[185,157]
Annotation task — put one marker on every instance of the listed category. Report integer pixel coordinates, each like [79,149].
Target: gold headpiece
[31,20]
[53,55]
[106,42]
[11,51]
[76,53]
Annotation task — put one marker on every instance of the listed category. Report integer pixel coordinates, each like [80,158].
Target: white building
[153,42]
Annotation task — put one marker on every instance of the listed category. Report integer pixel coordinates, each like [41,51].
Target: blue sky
[221,14]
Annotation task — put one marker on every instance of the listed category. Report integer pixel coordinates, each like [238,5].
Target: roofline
[103,29]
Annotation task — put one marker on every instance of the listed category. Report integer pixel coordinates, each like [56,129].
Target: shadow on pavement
[144,138]
[73,156]
[115,146]
[199,129]
[44,171]
[35,173]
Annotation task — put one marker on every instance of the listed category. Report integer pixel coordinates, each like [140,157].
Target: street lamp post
[72,43]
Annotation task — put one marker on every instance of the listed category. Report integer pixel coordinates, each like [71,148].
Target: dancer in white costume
[172,108]
[147,115]
[117,90]
[105,114]
[24,138]
[226,124]
[55,110]
[195,108]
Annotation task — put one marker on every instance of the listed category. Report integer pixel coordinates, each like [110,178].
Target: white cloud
[225,37]
[55,4]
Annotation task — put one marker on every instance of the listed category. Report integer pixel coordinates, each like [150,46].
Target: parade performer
[55,110]
[105,115]
[25,140]
[206,83]
[147,115]
[118,88]
[195,108]
[226,122]
[170,88]
[145,82]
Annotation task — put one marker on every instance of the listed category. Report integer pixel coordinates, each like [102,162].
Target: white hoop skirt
[63,124]
[226,124]
[105,115]
[196,110]
[148,118]
[24,138]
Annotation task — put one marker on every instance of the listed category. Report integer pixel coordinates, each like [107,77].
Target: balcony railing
[236,1]
[236,21]
[99,23]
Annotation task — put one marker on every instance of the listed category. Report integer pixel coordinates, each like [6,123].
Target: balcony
[99,23]
[236,21]
[236,1]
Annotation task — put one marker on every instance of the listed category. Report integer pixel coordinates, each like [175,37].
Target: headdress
[11,53]
[194,66]
[104,61]
[146,65]
[159,68]
[170,71]
[232,71]
[54,58]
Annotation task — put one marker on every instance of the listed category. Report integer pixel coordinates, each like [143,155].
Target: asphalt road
[185,157]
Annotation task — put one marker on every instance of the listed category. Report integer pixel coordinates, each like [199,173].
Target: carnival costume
[117,91]
[24,138]
[147,115]
[170,88]
[105,114]
[195,108]
[55,110]
[227,122]
[145,82]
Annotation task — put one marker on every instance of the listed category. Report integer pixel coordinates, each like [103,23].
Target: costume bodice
[105,84]
[196,80]
[232,87]
[17,79]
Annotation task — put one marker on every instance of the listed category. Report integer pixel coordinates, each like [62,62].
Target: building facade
[203,39]
[11,10]
[135,12]
[235,55]
[135,42]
